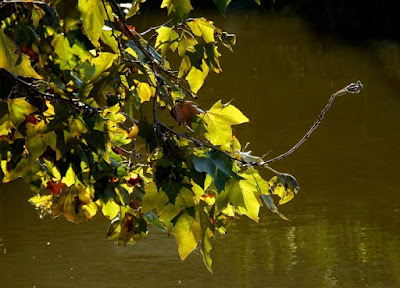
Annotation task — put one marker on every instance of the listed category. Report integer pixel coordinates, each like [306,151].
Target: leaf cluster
[80,122]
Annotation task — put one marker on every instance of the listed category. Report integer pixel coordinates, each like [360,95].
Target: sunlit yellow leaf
[135,8]
[196,77]
[186,44]
[219,120]
[185,67]
[244,198]
[166,39]
[110,209]
[69,178]
[64,51]
[145,92]
[44,202]
[90,210]
[93,15]
[187,233]
[203,27]
[102,63]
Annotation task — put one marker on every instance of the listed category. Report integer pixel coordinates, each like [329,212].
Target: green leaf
[18,109]
[154,220]
[179,9]
[218,166]
[93,15]
[219,120]
[139,53]
[222,5]
[64,51]
[37,144]
[12,59]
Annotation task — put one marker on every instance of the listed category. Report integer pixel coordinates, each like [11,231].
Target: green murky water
[345,221]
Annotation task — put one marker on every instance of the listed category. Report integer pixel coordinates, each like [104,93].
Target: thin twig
[351,88]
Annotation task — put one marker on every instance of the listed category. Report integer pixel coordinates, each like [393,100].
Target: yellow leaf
[243,197]
[18,109]
[110,209]
[102,63]
[69,178]
[93,15]
[185,67]
[203,27]
[145,92]
[190,231]
[219,120]
[186,44]
[196,77]
[89,210]
[43,202]
[187,234]
[13,60]
[166,39]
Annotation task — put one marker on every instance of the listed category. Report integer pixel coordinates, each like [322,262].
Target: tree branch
[73,103]
[351,88]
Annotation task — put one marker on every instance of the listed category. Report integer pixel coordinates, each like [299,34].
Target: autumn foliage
[82,97]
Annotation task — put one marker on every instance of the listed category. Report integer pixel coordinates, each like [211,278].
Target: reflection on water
[345,221]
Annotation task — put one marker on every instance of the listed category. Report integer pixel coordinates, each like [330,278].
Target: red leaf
[184,112]
[55,188]
[134,181]
[31,119]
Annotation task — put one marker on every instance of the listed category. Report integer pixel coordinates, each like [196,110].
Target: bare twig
[351,88]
